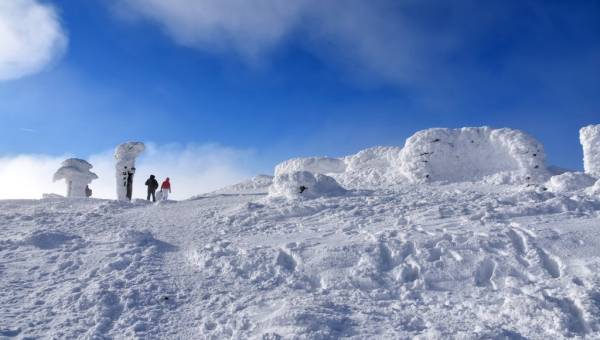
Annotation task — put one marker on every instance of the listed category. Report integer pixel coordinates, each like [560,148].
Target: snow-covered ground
[435,261]
[363,252]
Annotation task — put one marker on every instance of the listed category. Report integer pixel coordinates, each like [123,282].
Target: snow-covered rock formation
[589,137]
[371,168]
[318,165]
[125,155]
[451,155]
[304,184]
[472,153]
[76,173]
[569,181]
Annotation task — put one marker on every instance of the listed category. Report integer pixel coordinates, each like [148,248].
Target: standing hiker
[165,189]
[152,185]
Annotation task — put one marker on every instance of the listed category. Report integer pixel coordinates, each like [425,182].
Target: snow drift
[76,172]
[450,155]
[569,181]
[589,137]
[304,184]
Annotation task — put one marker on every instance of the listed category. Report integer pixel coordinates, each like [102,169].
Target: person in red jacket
[165,189]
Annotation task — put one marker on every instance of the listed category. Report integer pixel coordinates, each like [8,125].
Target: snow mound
[136,237]
[371,168]
[589,137]
[569,181]
[472,153]
[318,165]
[48,239]
[304,184]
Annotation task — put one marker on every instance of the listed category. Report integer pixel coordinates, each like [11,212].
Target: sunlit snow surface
[433,261]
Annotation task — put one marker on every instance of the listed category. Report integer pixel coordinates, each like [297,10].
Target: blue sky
[305,78]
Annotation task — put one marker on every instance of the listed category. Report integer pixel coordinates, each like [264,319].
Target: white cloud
[369,38]
[31,37]
[193,169]
[249,27]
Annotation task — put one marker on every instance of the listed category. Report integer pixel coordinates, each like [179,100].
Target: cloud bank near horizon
[193,169]
[31,38]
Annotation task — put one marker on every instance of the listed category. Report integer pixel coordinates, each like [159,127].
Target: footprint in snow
[484,273]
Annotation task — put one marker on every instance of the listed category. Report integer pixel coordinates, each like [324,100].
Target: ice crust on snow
[589,137]
[569,181]
[125,155]
[450,155]
[76,172]
[289,185]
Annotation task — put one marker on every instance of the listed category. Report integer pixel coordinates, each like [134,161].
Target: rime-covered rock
[471,154]
[450,155]
[589,137]
[304,184]
[125,155]
[317,165]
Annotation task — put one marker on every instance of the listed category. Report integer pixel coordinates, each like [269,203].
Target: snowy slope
[438,261]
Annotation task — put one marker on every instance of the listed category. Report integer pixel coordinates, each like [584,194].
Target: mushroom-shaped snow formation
[300,184]
[76,172]
[125,154]
[473,153]
[589,137]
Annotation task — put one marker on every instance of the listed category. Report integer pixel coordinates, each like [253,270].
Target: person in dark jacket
[152,185]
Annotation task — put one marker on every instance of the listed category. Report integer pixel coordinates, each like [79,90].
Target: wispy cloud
[370,38]
[31,37]
[248,27]
[193,169]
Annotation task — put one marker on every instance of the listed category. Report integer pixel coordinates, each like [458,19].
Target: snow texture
[589,137]
[449,155]
[304,184]
[438,261]
[569,182]
[76,173]
[125,155]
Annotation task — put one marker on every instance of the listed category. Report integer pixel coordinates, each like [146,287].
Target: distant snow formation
[439,154]
[589,137]
[125,155]
[76,172]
